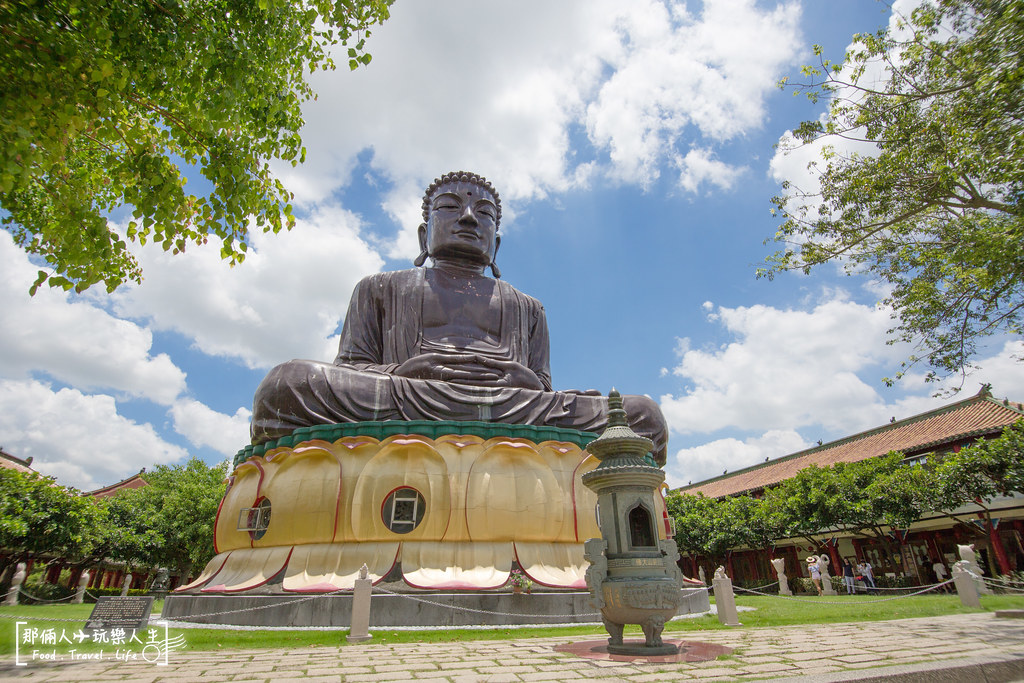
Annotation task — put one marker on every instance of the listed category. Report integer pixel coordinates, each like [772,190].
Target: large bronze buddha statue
[444,342]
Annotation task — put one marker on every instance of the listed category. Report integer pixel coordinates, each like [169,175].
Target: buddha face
[462,224]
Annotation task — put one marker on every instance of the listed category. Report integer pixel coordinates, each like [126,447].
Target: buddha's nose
[468,215]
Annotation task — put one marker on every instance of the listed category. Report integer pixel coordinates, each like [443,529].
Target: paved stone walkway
[975,647]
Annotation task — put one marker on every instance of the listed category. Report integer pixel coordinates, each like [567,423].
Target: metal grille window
[403,510]
[256,519]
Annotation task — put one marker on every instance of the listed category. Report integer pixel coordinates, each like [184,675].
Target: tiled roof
[133,482]
[8,461]
[980,415]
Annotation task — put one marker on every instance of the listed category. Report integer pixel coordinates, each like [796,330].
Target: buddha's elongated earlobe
[494,259]
[421,234]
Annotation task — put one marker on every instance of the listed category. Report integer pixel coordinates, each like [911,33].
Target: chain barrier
[185,617]
[40,600]
[926,589]
[1006,582]
[1003,587]
[761,588]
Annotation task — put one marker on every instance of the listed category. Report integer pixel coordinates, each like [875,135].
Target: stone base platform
[401,609]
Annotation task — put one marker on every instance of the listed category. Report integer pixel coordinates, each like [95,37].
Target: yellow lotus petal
[560,565]
[331,566]
[456,566]
[245,569]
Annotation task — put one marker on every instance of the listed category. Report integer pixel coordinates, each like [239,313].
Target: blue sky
[633,145]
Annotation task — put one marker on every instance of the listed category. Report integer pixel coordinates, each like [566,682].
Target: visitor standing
[851,588]
[815,571]
[869,577]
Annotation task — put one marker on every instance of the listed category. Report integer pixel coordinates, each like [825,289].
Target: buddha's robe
[385,327]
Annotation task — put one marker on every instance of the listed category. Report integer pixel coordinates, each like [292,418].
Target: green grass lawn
[768,611]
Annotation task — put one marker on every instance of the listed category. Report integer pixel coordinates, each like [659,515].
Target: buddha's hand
[469,368]
[510,374]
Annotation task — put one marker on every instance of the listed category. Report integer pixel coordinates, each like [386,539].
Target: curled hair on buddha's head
[461,177]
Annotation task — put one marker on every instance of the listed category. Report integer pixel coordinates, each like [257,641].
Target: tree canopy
[103,104]
[922,176]
[170,521]
[40,518]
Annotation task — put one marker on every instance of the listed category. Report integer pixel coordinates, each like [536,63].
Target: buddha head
[462,212]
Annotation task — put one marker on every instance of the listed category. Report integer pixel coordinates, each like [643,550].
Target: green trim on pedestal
[428,428]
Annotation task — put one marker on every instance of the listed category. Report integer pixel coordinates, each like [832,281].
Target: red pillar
[997,547]
[837,562]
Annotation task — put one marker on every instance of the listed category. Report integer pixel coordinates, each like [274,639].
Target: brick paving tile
[431,680]
[309,679]
[767,668]
[507,670]
[852,659]
[763,659]
[499,678]
[388,676]
[445,666]
[405,667]
[716,673]
[339,670]
[571,664]
[550,676]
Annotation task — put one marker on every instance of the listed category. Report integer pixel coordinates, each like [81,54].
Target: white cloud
[817,371]
[75,341]
[446,90]
[203,426]
[785,369]
[712,459]
[283,302]
[698,167]
[78,438]
[675,71]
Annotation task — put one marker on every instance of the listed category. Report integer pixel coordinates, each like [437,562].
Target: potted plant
[520,581]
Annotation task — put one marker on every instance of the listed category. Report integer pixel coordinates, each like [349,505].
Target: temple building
[935,536]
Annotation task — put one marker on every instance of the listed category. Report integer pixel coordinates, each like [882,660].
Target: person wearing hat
[812,567]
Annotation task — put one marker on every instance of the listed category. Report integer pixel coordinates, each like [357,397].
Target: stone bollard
[83,583]
[360,629]
[702,576]
[725,601]
[16,581]
[126,584]
[826,578]
[779,564]
[968,556]
[965,584]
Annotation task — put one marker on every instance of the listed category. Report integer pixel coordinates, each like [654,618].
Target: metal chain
[1005,582]
[258,607]
[32,597]
[761,588]
[927,589]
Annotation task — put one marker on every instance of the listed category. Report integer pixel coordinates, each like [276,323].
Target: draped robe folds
[384,328]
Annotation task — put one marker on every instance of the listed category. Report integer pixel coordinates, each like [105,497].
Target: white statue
[826,578]
[16,581]
[702,576]
[779,564]
[720,573]
[969,563]
[83,583]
